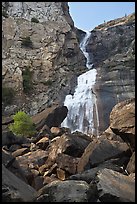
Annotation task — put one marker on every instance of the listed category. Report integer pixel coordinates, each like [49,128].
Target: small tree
[7,95]
[26,42]
[34,20]
[27,80]
[23,125]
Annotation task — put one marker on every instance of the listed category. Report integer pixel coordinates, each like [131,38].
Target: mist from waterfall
[83,102]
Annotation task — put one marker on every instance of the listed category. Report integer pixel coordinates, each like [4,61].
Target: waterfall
[82,104]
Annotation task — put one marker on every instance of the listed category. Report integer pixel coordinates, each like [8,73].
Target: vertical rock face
[111,49]
[40,54]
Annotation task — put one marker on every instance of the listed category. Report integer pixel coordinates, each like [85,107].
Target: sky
[88,15]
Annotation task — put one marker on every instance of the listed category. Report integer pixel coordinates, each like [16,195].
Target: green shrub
[7,95]
[26,42]
[4,13]
[23,125]
[27,80]
[34,20]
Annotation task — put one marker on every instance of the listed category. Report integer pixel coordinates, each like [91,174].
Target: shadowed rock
[52,117]
[99,151]
[14,189]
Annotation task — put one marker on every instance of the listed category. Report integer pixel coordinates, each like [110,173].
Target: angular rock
[61,174]
[89,175]
[9,161]
[122,121]
[56,131]
[49,179]
[67,144]
[65,191]
[100,150]
[43,143]
[8,138]
[7,158]
[67,163]
[31,160]
[115,186]
[20,152]
[131,164]
[14,189]
[37,183]
[52,117]
[15,147]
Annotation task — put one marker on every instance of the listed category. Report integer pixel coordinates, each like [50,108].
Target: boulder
[64,191]
[114,186]
[10,162]
[20,151]
[52,117]
[37,182]
[31,160]
[56,131]
[90,174]
[43,143]
[67,144]
[131,164]
[100,150]
[122,121]
[67,163]
[14,189]
[8,138]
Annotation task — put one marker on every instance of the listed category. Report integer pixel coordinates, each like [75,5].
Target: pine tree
[23,125]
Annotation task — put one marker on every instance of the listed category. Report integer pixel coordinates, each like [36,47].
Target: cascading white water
[81,104]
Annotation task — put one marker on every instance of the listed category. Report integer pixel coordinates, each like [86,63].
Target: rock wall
[41,57]
[112,51]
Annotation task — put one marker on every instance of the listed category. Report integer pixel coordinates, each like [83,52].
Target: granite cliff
[112,51]
[41,58]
